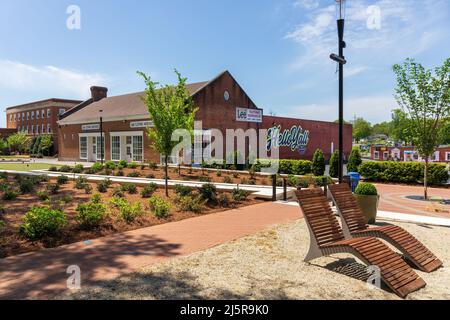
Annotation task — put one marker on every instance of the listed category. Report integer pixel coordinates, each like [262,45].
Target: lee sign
[249,115]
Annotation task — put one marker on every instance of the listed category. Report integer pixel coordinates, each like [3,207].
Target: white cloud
[372,108]
[307,4]
[50,80]
[354,70]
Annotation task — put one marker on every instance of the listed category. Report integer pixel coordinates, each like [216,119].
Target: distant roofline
[45,100]
[290,118]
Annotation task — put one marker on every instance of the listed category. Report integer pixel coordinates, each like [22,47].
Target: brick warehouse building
[407,153]
[222,103]
[39,117]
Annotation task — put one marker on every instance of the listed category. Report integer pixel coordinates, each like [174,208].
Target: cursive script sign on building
[294,138]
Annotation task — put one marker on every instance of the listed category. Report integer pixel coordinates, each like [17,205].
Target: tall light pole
[101,137]
[340,59]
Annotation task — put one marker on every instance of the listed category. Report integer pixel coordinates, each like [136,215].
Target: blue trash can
[354,180]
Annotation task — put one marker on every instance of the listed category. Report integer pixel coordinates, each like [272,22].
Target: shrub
[227,179]
[239,195]
[40,222]
[204,179]
[43,195]
[334,164]
[80,182]
[366,189]
[2,225]
[219,173]
[41,178]
[318,163]
[26,185]
[53,169]
[160,207]
[224,200]
[437,174]
[110,165]
[150,176]
[62,179]
[79,168]
[87,188]
[128,212]
[90,171]
[354,161]
[96,198]
[90,214]
[103,185]
[191,204]
[67,198]
[182,190]
[134,174]
[153,165]
[120,173]
[148,190]
[53,188]
[97,167]
[208,192]
[123,163]
[3,176]
[235,175]
[117,192]
[132,165]
[130,188]
[10,194]
[65,169]
[297,167]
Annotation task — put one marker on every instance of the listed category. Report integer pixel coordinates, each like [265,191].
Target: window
[28,116]
[83,148]
[435,156]
[115,148]
[10,118]
[18,117]
[97,147]
[49,128]
[37,114]
[37,129]
[137,148]
[61,111]
[376,155]
[32,129]
[385,155]
[43,114]
[43,128]
[447,156]
[49,113]
[15,117]
[23,116]
[32,115]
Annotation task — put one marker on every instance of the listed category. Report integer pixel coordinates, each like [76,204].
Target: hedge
[296,167]
[405,172]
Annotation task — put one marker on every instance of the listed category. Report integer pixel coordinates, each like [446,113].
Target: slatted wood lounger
[354,226]
[326,238]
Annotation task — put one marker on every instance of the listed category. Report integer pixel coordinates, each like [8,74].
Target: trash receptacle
[354,180]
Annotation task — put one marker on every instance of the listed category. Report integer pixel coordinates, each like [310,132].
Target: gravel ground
[269,265]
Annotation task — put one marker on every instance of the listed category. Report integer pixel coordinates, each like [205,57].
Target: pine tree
[354,161]
[318,163]
[334,164]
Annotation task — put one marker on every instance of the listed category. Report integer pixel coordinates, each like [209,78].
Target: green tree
[425,96]
[3,145]
[382,128]
[334,164]
[445,132]
[361,129]
[170,108]
[401,126]
[46,144]
[18,141]
[318,163]
[354,161]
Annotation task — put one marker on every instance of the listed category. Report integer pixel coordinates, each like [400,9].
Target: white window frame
[10,118]
[32,129]
[32,115]
[111,143]
[49,113]
[79,149]
[49,128]
[42,113]
[447,156]
[385,155]
[43,128]
[376,155]
[131,134]
[15,117]
[61,111]
[28,116]
[38,114]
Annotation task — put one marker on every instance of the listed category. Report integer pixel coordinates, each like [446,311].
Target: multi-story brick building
[222,104]
[39,117]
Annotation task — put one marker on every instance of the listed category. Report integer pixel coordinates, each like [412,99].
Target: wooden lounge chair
[326,238]
[354,226]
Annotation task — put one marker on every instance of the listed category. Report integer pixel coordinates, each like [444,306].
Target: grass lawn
[25,166]
[14,157]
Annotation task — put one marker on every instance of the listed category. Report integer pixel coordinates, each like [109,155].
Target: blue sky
[277,49]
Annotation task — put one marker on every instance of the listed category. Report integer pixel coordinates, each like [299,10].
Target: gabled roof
[126,106]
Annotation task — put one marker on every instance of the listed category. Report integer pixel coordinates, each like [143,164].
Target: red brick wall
[381,149]
[321,135]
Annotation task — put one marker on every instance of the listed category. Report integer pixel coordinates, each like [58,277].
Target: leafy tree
[46,144]
[170,108]
[354,161]
[425,96]
[401,126]
[18,141]
[445,132]
[3,145]
[382,128]
[361,129]
[318,163]
[334,164]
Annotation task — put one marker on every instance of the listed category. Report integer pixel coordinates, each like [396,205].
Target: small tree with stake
[425,96]
[170,108]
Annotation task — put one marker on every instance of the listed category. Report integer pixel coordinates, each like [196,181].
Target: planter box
[369,207]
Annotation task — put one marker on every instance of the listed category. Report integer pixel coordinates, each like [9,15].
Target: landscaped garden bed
[40,212]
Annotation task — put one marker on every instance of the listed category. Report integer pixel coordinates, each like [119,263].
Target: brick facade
[406,153]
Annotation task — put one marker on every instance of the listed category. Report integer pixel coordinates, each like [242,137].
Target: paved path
[43,274]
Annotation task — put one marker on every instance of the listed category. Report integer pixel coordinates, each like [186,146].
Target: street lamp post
[101,137]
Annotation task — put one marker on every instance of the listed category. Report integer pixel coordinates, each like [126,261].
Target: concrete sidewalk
[42,274]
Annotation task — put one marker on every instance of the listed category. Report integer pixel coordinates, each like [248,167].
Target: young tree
[3,145]
[46,144]
[334,164]
[18,141]
[170,108]
[425,96]
[318,163]
[354,161]
[361,129]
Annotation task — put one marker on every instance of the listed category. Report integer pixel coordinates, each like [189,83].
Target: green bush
[53,188]
[90,215]
[208,192]
[334,164]
[2,225]
[80,183]
[150,176]
[318,163]
[90,171]
[123,163]
[96,198]
[132,165]
[3,176]
[182,190]
[160,207]
[366,189]
[62,179]
[224,200]
[402,172]
[88,188]
[148,190]
[26,185]
[129,212]
[191,203]
[130,188]
[117,192]
[110,165]
[134,174]
[53,169]
[227,179]
[103,185]
[40,222]
[43,196]
[97,167]
[65,169]
[79,168]
[240,195]
[219,173]
[354,161]
[204,178]
[120,173]
[297,167]
[153,165]
[10,194]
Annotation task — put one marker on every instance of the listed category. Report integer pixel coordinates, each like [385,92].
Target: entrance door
[129,149]
[93,154]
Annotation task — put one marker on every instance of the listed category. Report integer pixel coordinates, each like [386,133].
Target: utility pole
[101,138]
